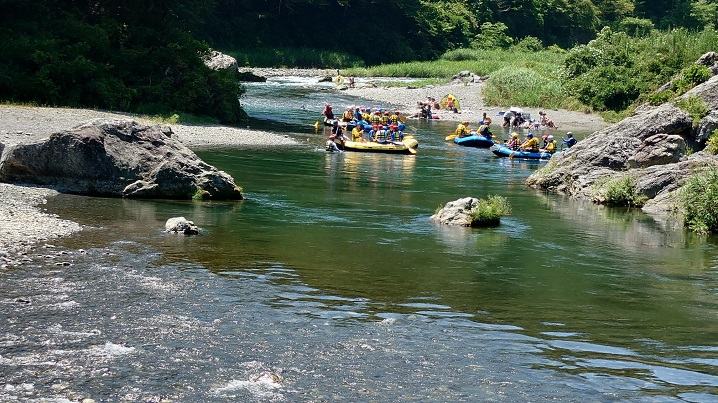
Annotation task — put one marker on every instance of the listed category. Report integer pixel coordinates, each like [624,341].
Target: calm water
[330,283]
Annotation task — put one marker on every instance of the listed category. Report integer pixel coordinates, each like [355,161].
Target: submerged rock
[117,158]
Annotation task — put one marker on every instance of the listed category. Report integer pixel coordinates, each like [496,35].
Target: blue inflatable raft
[503,151]
[475,140]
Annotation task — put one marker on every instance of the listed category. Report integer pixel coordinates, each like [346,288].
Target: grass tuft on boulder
[488,212]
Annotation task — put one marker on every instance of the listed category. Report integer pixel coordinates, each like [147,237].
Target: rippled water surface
[330,283]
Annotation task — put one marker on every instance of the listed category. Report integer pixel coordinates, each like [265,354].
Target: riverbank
[472,106]
[23,224]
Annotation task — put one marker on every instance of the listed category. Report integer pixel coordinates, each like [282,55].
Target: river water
[330,283]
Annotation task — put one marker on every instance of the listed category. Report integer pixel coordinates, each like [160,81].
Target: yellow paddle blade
[316,125]
[402,119]
[412,151]
[408,136]
[450,137]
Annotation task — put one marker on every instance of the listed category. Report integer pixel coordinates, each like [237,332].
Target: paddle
[412,151]
[450,137]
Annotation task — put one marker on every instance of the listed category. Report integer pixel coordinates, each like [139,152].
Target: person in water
[337,133]
[570,141]
[531,143]
[462,130]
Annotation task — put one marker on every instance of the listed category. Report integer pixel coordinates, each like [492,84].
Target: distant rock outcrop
[652,146]
[219,61]
[118,158]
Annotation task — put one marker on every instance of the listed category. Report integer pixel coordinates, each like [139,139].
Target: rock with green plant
[644,159]
[473,212]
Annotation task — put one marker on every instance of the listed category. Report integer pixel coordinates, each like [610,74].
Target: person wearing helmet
[544,141]
[484,129]
[337,133]
[385,119]
[550,146]
[531,143]
[462,129]
[357,132]
[376,118]
[328,112]
[398,133]
[380,134]
[570,141]
[394,118]
[515,142]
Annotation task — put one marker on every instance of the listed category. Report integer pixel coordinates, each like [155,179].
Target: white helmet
[550,137]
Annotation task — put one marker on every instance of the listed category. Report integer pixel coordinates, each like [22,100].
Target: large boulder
[117,158]
[652,146]
[180,225]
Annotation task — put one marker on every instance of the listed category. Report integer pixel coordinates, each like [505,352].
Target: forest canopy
[145,56]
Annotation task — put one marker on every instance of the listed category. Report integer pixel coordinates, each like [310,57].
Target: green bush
[695,107]
[489,211]
[658,98]
[529,44]
[605,88]
[515,85]
[690,77]
[493,36]
[621,192]
[712,143]
[698,201]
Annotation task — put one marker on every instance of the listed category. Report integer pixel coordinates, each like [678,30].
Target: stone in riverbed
[180,225]
[117,158]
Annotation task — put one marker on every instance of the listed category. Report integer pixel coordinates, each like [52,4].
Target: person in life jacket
[394,118]
[348,115]
[550,145]
[328,112]
[385,119]
[337,133]
[376,118]
[484,129]
[400,131]
[357,132]
[394,134]
[544,141]
[531,143]
[515,142]
[462,130]
[380,134]
[570,141]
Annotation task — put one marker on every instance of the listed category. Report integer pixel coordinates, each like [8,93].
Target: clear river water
[330,283]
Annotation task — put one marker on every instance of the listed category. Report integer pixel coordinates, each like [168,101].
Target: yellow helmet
[515,135]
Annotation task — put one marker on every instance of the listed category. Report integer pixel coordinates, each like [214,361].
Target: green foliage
[695,107]
[522,86]
[636,27]
[691,76]
[489,211]
[529,44]
[616,71]
[116,58]
[200,194]
[605,88]
[712,143]
[493,35]
[295,57]
[621,191]
[658,98]
[698,201]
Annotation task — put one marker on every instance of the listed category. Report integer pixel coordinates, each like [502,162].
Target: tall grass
[488,212]
[479,62]
[294,57]
[698,201]
[513,85]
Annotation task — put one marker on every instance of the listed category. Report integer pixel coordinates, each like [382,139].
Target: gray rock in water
[180,225]
[457,212]
[117,158]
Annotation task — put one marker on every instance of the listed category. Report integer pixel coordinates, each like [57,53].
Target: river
[330,283]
